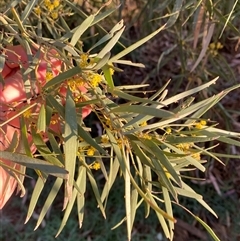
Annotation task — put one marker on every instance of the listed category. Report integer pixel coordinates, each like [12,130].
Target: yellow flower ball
[54,15]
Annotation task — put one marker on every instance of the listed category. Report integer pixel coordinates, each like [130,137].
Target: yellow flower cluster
[54,15]
[94,79]
[108,123]
[197,156]
[27,114]
[84,60]
[166,172]
[54,119]
[91,151]
[51,6]
[105,139]
[49,76]
[75,83]
[214,47]
[95,166]
[145,136]
[200,125]
[185,147]
[143,123]
[122,142]
[112,69]
[168,130]
[38,10]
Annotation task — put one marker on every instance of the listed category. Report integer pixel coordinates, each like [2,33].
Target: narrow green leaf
[146,110]
[128,204]
[81,29]
[200,200]
[70,205]
[136,45]
[126,96]
[51,101]
[88,102]
[204,47]
[39,29]
[187,93]
[194,9]
[119,224]
[129,63]
[19,23]
[187,193]
[175,13]
[28,9]
[223,19]
[124,219]
[160,218]
[51,196]
[134,199]
[14,142]
[215,132]
[228,18]
[147,179]
[35,196]
[20,181]
[229,141]
[142,156]
[197,106]
[163,160]
[41,123]
[114,169]
[168,206]
[44,150]
[61,77]
[102,62]
[49,112]
[70,140]
[225,133]
[108,76]
[225,155]
[1,77]
[117,150]
[2,62]
[206,152]
[108,47]
[188,139]
[24,137]
[210,231]
[108,36]
[163,179]
[104,15]
[96,192]
[132,87]
[35,163]
[56,148]
[81,197]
